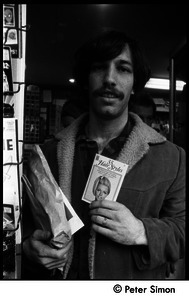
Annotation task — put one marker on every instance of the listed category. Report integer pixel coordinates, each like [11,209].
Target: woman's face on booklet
[101,192]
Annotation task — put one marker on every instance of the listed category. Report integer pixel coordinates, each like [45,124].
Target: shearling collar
[138,142]
[147,133]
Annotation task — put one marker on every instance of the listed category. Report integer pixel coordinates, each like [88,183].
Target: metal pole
[172,100]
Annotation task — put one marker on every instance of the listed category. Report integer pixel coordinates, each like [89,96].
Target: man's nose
[109,76]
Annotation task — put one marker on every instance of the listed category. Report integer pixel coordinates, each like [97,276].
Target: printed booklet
[105,179]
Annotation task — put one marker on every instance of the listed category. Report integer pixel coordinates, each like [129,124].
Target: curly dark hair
[107,46]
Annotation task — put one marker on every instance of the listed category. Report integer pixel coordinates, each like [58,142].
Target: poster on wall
[11,29]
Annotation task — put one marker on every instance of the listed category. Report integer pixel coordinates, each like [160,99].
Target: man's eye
[124,69]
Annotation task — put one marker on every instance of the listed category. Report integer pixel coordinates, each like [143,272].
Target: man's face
[101,192]
[110,85]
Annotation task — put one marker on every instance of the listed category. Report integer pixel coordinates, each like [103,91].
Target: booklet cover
[74,221]
[105,179]
[7,71]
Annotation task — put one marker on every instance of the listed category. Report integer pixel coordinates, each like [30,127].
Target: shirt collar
[115,144]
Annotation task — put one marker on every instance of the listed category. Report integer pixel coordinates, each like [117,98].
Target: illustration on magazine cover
[105,179]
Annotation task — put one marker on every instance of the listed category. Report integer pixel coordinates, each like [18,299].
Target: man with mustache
[141,234]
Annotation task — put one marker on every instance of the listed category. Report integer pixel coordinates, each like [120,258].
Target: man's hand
[36,249]
[115,221]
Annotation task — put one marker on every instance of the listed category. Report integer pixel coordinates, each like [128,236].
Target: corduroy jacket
[153,189]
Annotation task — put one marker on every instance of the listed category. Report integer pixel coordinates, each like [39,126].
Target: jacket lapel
[138,142]
[65,155]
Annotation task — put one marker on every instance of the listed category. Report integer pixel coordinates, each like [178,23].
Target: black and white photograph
[100,92]
[8,16]
[12,37]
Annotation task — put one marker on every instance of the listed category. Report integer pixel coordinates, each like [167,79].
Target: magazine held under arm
[50,207]
[105,179]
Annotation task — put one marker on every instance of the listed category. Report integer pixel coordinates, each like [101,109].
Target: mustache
[101,91]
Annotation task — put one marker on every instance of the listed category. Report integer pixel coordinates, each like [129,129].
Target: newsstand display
[14,41]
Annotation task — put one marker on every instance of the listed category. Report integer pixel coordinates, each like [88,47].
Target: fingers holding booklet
[115,221]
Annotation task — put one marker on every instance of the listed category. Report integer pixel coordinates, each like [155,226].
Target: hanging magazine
[11,196]
[105,179]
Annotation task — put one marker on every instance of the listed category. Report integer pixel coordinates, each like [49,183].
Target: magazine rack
[14,47]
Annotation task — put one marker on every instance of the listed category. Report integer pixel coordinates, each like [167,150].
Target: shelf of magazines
[11,200]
